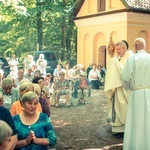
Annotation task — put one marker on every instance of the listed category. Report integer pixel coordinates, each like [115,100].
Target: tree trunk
[39,28]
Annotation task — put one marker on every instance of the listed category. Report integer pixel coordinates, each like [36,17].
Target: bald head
[139,44]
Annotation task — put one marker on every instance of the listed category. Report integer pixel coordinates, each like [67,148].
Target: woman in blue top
[35,130]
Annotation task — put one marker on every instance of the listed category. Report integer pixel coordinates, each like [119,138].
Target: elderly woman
[35,128]
[61,87]
[17,107]
[5,135]
[10,94]
[82,89]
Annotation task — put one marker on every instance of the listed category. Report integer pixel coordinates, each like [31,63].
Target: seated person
[35,130]
[37,73]
[61,87]
[5,138]
[16,107]
[1,99]
[47,80]
[57,70]
[82,88]
[29,74]
[1,76]
[44,89]
[94,77]
[10,94]
[44,104]
[5,116]
[19,78]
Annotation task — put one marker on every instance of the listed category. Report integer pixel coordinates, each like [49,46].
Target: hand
[30,137]
[34,139]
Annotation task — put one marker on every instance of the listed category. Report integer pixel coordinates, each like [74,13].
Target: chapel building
[102,22]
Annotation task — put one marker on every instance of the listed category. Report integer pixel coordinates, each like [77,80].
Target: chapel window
[101,5]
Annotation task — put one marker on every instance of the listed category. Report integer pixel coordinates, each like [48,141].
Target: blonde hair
[24,86]
[37,89]
[29,96]
[5,131]
[24,80]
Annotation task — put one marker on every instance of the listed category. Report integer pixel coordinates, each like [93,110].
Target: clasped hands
[31,138]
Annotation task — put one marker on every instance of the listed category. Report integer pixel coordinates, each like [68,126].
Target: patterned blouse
[42,129]
[59,83]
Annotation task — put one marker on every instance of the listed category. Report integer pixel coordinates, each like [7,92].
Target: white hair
[141,40]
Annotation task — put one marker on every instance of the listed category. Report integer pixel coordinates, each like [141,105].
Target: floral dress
[59,83]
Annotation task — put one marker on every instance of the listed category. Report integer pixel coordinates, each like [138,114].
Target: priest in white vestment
[117,95]
[136,77]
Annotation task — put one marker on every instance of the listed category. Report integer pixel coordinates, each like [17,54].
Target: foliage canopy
[27,26]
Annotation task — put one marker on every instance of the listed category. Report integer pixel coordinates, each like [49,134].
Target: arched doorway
[102,55]
[99,47]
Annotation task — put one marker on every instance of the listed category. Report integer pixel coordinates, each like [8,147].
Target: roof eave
[125,4]
[78,7]
[130,8]
[140,9]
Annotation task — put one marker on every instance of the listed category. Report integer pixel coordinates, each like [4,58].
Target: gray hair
[141,41]
[29,96]
[7,82]
[122,44]
[5,131]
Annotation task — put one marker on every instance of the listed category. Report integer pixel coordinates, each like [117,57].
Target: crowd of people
[35,72]
[26,99]
[27,94]
[24,108]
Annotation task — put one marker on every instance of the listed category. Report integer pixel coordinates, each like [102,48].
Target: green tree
[44,25]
